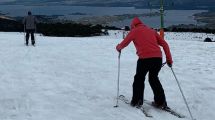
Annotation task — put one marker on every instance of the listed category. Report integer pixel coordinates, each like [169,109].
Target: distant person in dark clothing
[30,22]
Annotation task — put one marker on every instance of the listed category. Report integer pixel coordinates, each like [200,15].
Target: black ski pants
[151,66]
[28,32]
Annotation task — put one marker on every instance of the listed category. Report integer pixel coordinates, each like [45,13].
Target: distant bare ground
[115,18]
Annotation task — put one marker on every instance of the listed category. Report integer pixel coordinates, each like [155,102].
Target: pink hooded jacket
[146,40]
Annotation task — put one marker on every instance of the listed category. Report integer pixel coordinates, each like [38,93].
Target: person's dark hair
[29,12]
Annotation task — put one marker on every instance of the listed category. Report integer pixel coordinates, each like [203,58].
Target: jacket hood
[136,21]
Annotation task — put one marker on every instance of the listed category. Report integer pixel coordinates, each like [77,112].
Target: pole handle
[119,54]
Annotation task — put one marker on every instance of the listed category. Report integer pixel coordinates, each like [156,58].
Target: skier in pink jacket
[147,43]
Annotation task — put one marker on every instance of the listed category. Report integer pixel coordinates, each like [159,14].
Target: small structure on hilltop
[208,40]
[126,30]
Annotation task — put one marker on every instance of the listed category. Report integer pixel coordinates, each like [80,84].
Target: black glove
[169,64]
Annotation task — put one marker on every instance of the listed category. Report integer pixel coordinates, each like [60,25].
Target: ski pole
[182,94]
[24,35]
[163,64]
[117,97]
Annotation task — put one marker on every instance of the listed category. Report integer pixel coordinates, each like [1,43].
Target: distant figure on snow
[147,42]
[30,22]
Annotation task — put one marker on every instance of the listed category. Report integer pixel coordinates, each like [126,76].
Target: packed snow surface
[74,78]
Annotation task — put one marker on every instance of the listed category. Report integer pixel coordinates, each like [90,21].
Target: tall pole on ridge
[162,19]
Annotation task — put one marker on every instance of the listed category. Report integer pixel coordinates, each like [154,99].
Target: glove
[169,64]
[118,48]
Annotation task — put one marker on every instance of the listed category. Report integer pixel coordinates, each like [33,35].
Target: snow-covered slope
[75,78]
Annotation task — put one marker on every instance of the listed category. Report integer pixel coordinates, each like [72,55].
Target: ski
[166,109]
[126,101]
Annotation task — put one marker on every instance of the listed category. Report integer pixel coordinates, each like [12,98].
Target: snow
[74,78]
